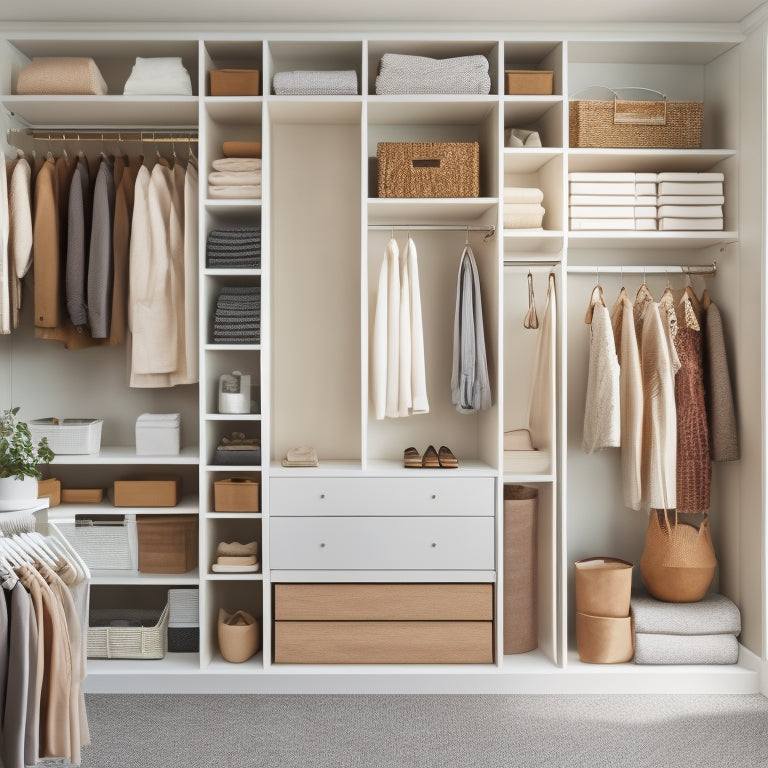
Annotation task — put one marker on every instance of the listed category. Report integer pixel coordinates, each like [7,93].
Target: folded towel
[241,149]
[522,221]
[686,649]
[237,560]
[523,209]
[521,137]
[690,176]
[517,440]
[236,164]
[603,188]
[315,83]
[578,225]
[235,191]
[526,462]
[690,200]
[237,549]
[690,188]
[158,76]
[713,614]
[602,211]
[220,568]
[523,195]
[612,200]
[691,211]
[645,224]
[400,73]
[672,223]
[301,456]
[61,75]
[228,178]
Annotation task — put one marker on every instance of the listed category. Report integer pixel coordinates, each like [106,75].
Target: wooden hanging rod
[145,137]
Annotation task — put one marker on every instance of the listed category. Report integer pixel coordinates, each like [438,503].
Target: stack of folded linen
[237,318]
[690,201]
[301,456]
[234,557]
[522,208]
[315,83]
[686,633]
[235,177]
[400,73]
[236,247]
[164,76]
[608,201]
[520,455]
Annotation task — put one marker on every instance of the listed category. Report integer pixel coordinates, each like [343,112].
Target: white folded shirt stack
[690,201]
[163,76]
[523,208]
[612,201]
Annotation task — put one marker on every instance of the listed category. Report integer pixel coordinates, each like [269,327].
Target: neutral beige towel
[236,164]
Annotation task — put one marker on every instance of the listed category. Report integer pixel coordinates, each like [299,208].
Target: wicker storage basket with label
[643,124]
[429,169]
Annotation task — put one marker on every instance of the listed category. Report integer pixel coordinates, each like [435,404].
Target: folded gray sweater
[686,649]
[315,83]
[399,73]
[714,614]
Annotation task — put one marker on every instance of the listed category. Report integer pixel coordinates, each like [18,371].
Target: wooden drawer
[378,496]
[384,642]
[384,602]
[382,543]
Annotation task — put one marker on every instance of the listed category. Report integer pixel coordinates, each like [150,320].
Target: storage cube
[158,434]
[167,543]
[234,82]
[147,493]
[529,82]
[236,494]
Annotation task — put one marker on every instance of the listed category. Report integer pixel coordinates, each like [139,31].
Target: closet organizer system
[360,522]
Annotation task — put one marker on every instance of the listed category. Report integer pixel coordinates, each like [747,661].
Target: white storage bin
[158,434]
[68,436]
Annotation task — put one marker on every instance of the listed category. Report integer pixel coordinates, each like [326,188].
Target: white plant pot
[17,494]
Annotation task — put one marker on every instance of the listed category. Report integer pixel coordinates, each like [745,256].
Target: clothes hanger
[531,320]
[596,296]
[36,543]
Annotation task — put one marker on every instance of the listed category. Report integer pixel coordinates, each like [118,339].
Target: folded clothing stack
[235,247]
[237,318]
[523,208]
[183,620]
[315,83]
[235,177]
[301,456]
[690,201]
[686,633]
[605,201]
[61,76]
[234,557]
[399,73]
[520,455]
[164,76]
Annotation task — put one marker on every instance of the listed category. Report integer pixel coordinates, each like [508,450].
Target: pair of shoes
[432,459]
[521,137]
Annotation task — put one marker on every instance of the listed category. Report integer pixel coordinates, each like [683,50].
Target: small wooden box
[529,82]
[49,489]
[234,82]
[147,493]
[81,495]
[236,494]
[167,543]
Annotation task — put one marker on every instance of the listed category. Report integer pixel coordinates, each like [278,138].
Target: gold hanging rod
[144,137]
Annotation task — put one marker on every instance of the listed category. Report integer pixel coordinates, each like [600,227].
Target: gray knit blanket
[713,614]
[315,83]
[400,74]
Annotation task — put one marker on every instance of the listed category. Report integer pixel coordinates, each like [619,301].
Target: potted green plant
[20,461]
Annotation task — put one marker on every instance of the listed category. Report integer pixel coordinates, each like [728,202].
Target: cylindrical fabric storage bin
[520,544]
[603,586]
[604,639]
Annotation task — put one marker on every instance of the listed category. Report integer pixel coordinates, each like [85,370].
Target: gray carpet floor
[406,731]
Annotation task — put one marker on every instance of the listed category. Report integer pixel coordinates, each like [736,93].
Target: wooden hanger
[595,297]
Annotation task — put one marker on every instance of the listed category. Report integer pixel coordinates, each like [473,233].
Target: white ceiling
[335,11]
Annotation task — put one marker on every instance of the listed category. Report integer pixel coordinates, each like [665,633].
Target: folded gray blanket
[315,83]
[714,614]
[686,649]
[399,73]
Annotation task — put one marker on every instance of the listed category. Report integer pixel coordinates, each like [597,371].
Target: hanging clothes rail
[632,269]
[489,229]
[177,135]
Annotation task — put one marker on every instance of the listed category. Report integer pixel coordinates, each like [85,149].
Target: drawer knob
[434,544]
[434,496]
[322,544]
[322,495]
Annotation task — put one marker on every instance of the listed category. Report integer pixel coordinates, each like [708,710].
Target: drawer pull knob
[434,544]
[434,495]
[322,495]
[322,544]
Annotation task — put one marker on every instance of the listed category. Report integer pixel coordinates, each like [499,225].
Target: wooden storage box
[236,494]
[429,169]
[81,495]
[167,543]
[234,82]
[49,489]
[147,493]
[384,623]
[529,82]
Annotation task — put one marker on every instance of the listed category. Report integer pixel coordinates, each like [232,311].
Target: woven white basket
[122,642]
[104,547]
[183,605]
[69,436]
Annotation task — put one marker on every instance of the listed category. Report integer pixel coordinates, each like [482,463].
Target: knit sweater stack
[238,248]
[238,316]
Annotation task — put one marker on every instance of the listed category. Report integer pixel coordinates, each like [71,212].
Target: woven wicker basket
[106,640]
[658,124]
[429,169]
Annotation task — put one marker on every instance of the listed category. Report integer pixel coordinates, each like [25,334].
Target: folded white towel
[315,83]
[523,195]
[586,224]
[517,440]
[158,76]
[522,220]
[234,177]
[672,223]
[522,209]
[237,164]
[301,456]
[602,211]
[235,191]
[691,211]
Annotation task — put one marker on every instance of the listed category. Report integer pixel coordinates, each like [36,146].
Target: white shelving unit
[323,233]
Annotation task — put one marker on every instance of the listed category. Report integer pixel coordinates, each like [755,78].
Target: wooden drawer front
[384,642]
[391,602]
[382,543]
[379,496]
